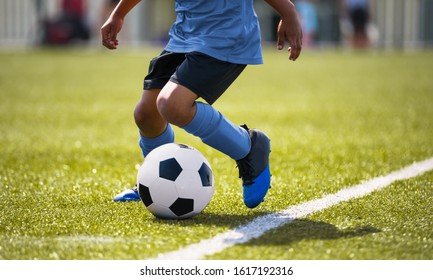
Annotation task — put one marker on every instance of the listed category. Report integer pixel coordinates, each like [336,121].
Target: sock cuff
[218,132]
[148,144]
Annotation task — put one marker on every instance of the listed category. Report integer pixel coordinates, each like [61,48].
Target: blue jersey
[227,30]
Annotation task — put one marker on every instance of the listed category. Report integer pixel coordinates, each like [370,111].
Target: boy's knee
[173,111]
[176,104]
[166,107]
[145,111]
[140,115]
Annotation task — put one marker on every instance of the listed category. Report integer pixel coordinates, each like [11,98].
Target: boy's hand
[109,32]
[290,30]
[114,23]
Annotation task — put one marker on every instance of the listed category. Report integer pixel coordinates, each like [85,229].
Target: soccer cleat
[128,195]
[254,169]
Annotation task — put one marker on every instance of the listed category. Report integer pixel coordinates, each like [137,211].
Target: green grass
[68,144]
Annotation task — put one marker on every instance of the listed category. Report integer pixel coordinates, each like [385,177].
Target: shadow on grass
[214,220]
[304,229]
[291,232]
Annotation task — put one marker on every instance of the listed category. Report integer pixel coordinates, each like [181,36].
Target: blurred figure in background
[308,15]
[358,12]
[69,26]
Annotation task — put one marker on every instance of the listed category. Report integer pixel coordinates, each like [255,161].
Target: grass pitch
[68,144]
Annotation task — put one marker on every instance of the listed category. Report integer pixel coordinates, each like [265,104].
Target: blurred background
[382,24]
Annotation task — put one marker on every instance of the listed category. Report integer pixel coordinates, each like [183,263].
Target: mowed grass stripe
[262,224]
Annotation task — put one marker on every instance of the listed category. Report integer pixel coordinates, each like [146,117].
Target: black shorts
[206,76]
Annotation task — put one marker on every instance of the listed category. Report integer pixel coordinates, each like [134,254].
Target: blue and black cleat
[254,169]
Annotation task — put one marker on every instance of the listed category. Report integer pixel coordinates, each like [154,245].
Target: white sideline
[262,224]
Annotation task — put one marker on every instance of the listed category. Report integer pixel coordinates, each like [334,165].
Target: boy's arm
[289,28]
[114,23]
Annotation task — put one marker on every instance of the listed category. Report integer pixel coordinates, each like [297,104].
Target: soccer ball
[175,182]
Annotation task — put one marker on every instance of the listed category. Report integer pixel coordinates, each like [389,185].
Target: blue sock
[218,132]
[148,144]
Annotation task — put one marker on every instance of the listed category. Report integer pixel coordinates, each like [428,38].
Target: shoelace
[245,171]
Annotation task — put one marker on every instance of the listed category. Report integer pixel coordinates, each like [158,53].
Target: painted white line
[262,224]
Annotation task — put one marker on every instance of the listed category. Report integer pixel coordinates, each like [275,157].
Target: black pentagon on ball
[144,193]
[182,206]
[205,175]
[169,169]
[183,146]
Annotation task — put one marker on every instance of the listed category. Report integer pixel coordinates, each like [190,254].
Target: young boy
[211,42]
